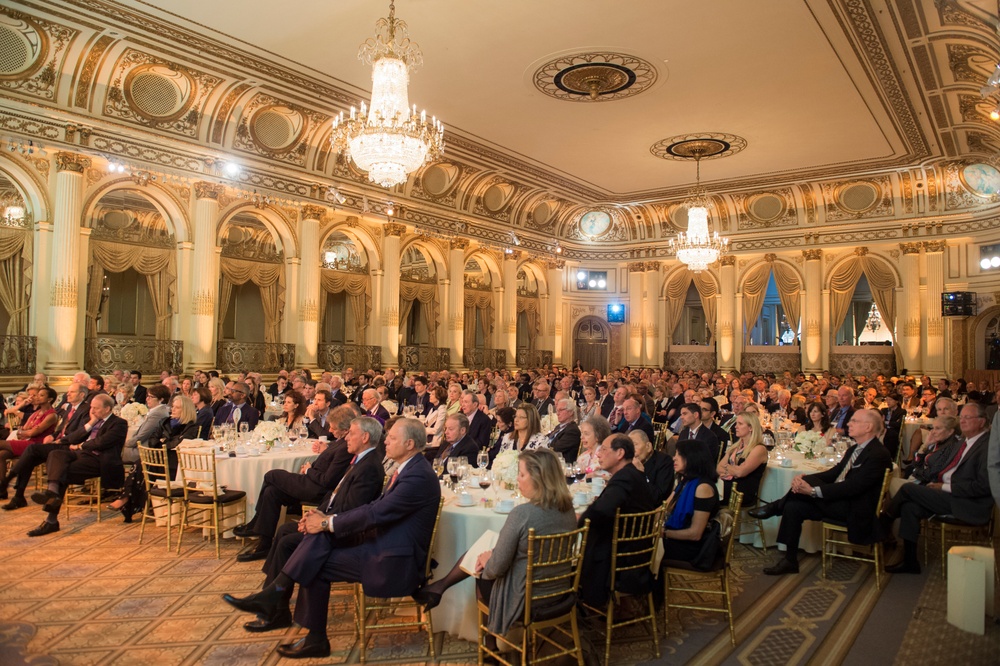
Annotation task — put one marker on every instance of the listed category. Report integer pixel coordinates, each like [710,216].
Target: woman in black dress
[694,501]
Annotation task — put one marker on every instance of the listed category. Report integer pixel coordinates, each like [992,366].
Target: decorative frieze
[910,248]
[727,260]
[935,246]
[458,244]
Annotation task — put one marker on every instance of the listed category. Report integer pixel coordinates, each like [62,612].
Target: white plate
[501,511]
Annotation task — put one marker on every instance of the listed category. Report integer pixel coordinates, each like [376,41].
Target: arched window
[773,327]
[692,329]
[479,311]
[863,323]
[345,299]
[417,299]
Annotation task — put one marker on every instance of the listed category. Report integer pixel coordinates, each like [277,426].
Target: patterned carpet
[90,594]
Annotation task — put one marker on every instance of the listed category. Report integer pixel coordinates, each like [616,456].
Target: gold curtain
[15,278]
[95,285]
[676,293]
[426,293]
[754,290]
[269,278]
[159,267]
[481,302]
[789,286]
[883,287]
[358,288]
[707,291]
[842,286]
[531,307]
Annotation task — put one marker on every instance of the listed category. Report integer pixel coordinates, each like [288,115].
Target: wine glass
[244,428]
[485,480]
[438,465]
[483,460]
[452,467]
[303,433]
[463,474]
[293,434]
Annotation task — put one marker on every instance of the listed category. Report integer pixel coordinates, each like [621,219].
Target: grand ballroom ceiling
[838,111]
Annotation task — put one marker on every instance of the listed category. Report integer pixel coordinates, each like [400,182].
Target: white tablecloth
[776,482]
[910,427]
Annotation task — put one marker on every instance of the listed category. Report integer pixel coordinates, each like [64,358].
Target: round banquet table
[776,482]
[910,426]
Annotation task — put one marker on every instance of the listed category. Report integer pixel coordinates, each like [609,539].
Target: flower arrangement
[548,422]
[269,431]
[809,442]
[505,468]
[134,413]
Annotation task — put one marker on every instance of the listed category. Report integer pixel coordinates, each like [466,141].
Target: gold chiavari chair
[161,490]
[553,577]
[204,504]
[956,532]
[832,544]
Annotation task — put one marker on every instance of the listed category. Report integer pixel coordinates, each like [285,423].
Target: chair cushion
[553,610]
[718,565]
[224,498]
[162,492]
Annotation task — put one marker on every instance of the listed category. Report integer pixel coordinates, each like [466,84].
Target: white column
[180,323]
[508,318]
[636,326]
[290,316]
[653,356]
[934,349]
[908,310]
[65,339]
[390,294]
[727,329]
[38,323]
[456,303]
[554,277]
[307,333]
[813,332]
[199,343]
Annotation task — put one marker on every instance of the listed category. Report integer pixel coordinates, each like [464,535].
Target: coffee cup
[580,498]
[597,483]
[786,462]
[474,481]
[465,499]
[506,505]
[324,439]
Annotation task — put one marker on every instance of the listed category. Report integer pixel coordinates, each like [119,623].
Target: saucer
[499,510]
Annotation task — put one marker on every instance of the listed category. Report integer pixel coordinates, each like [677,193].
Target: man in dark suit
[847,492]
[892,421]
[419,398]
[372,407]
[75,413]
[97,453]
[390,540]
[840,416]
[458,439]
[138,390]
[675,402]
[961,489]
[693,428]
[541,397]
[633,418]
[604,400]
[360,485]
[565,437]
[627,490]
[238,406]
[282,488]
[480,425]
[320,413]
[337,396]
[709,410]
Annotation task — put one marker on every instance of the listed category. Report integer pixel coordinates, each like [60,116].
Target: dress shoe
[426,598]
[782,567]
[53,505]
[265,603]
[43,529]
[3,490]
[42,496]
[282,620]
[308,647]
[244,531]
[763,512]
[16,502]
[252,553]
[904,567]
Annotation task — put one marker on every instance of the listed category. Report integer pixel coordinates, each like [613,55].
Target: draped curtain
[883,287]
[358,288]
[159,267]
[676,292]
[480,302]
[755,288]
[426,293]
[15,278]
[531,309]
[269,278]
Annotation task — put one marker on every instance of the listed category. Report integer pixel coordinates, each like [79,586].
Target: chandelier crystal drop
[697,248]
[388,139]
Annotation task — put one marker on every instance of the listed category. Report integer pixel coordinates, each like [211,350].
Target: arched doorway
[590,344]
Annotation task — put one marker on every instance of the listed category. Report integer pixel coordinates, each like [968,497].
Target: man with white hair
[480,425]
[337,394]
[565,437]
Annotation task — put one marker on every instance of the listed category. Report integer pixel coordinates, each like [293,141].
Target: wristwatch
[325,525]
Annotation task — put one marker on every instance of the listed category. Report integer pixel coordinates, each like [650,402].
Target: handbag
[711,546]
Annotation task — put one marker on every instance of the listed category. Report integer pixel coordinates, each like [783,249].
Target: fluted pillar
[508,309]
[726,347]
[199,343]
[390,294]
[812,315]
[636,327]
[908,310]
[933,359]
[290,322]
[307,332]
[652,354]
[65,339]
[456,302]
[180,323]
[554,278]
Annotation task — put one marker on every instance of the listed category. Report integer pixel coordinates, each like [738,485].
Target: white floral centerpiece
[809,442]
[270,432]
[134,413]
[505,468]
[548,423]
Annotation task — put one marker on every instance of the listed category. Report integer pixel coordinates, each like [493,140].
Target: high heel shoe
[426,598]
[119,502]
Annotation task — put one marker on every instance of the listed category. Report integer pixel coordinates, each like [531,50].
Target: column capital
[812,255]
[394,229]
[861,251]
[935,246]
[72,162]
[203,190]
[728,260]
[514,255]
[554,264]
[910,248]
[637,267]
[458,244]
[653,266]
[310,212]
[770,257]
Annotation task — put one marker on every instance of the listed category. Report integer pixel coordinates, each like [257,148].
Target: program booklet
[486,542]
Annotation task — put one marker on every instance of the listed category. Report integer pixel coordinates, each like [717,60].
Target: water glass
[483,460]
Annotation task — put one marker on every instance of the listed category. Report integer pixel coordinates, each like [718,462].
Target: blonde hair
[756,431]
[544,466]
[188,413]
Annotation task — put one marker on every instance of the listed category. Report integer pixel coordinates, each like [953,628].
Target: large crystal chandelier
[388,139]
[697,248]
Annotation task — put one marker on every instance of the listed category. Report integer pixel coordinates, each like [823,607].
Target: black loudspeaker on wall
[958,304]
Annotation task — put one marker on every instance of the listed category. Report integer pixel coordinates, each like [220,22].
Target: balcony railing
[17,354]
[424,358]
[481,359]
[534,358]
[107,353]
[232,356]
[337,357]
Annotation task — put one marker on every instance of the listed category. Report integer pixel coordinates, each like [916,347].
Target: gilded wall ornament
[812,255]
[72,162]
[310,212]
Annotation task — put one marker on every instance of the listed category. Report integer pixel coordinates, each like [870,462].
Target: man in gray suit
[993,464]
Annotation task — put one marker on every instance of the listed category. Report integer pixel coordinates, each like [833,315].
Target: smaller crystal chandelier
[874,321]
[388,139]
[697,248]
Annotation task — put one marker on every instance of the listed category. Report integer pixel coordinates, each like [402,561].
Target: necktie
[329,504]
[392,481]
[69,417]
[849,465]
[555,433]
[954,461]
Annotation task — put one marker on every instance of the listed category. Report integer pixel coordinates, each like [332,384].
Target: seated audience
[692,503]
[565,437]
[527,431]
[157,397]
[293,410]
[457,441]
[746,461]
[34,430]
[238,411]
[656,465]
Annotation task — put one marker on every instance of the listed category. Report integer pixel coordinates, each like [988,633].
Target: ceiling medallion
[706,145]
[594,77]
